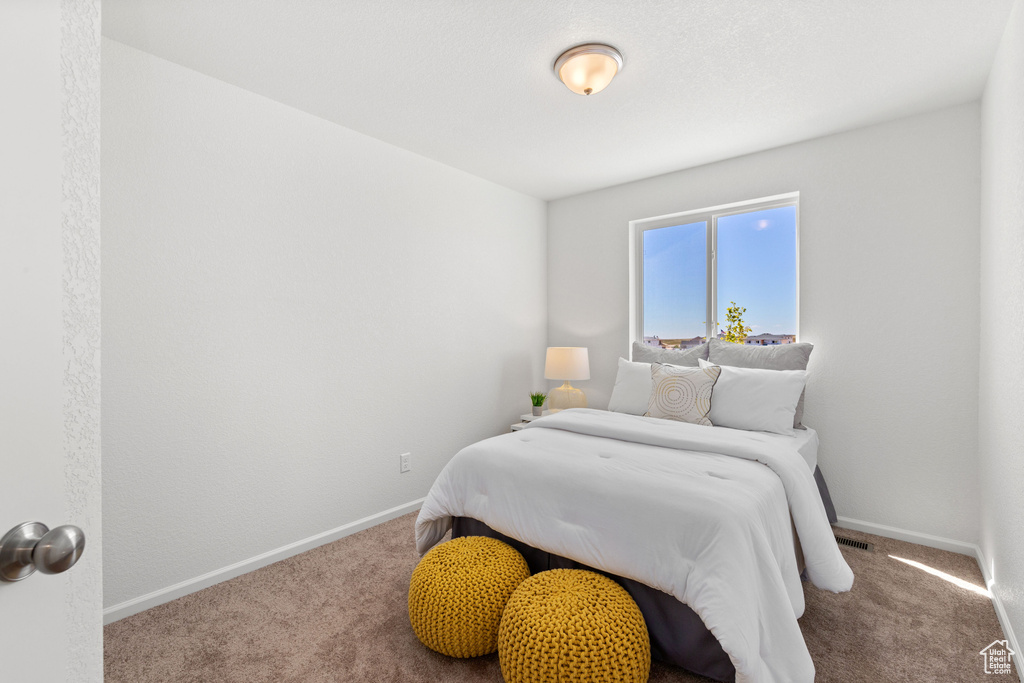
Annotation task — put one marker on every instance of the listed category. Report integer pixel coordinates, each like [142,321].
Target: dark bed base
[678,636]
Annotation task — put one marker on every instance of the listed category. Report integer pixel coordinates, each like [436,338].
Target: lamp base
[566,396]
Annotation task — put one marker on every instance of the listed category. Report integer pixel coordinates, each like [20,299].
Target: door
[33,631]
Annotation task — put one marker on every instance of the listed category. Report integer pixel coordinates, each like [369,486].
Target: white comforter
[689,510]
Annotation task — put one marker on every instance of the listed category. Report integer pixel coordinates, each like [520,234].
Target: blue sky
[756,269]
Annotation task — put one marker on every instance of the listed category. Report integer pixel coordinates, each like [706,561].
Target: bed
[710,516]
[698,490]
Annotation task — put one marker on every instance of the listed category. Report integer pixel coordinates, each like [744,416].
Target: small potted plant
[538,402]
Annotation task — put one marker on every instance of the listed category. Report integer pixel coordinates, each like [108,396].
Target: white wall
[1001,427]
[288,306]
[889,250]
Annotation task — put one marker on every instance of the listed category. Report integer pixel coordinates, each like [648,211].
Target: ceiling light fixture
[587,69]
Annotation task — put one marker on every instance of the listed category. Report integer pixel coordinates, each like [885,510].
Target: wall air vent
[861,545]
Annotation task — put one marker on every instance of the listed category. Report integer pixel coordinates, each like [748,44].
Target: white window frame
[710,215]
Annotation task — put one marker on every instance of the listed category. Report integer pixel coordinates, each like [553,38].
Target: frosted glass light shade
[567,362]
[588,69]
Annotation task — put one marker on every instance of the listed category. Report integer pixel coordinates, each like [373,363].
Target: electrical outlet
[403,462]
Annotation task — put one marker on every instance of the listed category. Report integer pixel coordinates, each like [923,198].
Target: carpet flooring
[338,613]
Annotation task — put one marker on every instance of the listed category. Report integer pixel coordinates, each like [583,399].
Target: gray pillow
[776,357]
[654,354]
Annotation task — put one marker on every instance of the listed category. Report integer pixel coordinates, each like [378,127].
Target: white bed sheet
[806,443]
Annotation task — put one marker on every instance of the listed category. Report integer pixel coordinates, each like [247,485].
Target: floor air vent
[861,545]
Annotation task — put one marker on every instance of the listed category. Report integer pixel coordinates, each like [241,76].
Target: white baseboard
[1004,620]
[961,547]
[159,597]
[909,536]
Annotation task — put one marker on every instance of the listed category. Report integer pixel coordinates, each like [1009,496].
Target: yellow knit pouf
[573,625]
[458,592]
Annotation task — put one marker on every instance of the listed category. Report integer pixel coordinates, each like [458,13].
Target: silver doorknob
[31,546]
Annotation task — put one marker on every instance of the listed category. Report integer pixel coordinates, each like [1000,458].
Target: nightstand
[529,417]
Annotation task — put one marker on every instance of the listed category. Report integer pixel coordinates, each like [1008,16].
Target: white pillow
[632,389]
[681,393]
[756,400]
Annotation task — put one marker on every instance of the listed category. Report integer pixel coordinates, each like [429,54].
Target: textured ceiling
[469,82]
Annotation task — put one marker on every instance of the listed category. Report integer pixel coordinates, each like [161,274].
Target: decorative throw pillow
[632,390]
[682,394]
[775,357]
[684,357]
[756,400]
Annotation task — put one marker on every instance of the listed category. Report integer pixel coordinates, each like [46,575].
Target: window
[688,268]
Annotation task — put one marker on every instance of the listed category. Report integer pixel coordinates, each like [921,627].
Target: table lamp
[567,363]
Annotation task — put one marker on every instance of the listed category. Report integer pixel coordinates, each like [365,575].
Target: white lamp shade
[567,362]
